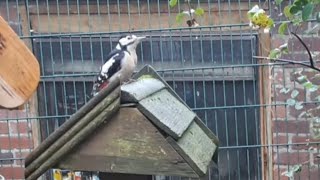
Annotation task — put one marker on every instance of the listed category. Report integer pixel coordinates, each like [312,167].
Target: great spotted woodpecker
[120,63]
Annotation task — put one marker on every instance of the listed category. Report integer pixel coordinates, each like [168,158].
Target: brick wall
[15,130]
[292,126]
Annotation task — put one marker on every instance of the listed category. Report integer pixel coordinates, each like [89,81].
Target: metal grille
[211,67]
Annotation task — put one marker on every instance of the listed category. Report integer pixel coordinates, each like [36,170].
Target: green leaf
[294,10]
[302,78]
[294,93]
[179,18]
[298,106]
[318,17]
[173,3]
[313,88]
[296,168]
[283,28]
[291,102]
[278,2]
[275,53]
[300,3]
[287,12]
[284,90]
[199,11]
[308,85]
[307,11]
[270,23]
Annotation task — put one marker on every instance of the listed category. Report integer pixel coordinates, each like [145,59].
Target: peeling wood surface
[168,113]
[141,88]
[128,143]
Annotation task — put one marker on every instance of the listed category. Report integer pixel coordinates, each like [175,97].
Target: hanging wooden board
[19,69]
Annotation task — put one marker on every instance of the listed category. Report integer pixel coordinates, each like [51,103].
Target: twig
[306,47]
[289,61]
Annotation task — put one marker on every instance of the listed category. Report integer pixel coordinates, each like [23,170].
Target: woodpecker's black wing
[111,66]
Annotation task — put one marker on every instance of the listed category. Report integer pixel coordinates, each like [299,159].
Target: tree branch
[306,47]
[289,61]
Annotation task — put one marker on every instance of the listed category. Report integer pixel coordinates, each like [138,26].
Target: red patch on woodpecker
[103,85]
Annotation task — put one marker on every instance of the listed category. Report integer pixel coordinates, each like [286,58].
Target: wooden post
[265,111]
[33,101]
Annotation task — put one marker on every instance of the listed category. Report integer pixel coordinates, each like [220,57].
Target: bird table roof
[142,127]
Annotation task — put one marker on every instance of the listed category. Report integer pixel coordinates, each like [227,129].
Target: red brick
[299,139]
[292,158]
[293,112]
[290,126]
[278,41]
[308,173]
[313,44]
[6,156]
[12,172]
[280,96]
[280,112]
[12,114]
[19,127]
[9,14]
[280,139]
[4,128]
[303,56]
[20,155]
[15,143]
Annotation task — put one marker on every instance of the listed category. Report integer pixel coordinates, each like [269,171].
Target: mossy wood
[142,88]
[129,143]
[167,113]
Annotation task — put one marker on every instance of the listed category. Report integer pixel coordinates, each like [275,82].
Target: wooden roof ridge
[98,108]
[149,71]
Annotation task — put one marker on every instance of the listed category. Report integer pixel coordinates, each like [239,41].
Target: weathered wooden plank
[72,143]
[140,89]
[168,113]
[124,22]
[210,134]
[195,147]
[71,132]
[129,143]
[265,112]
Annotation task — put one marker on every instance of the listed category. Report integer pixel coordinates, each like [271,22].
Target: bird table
[130,131]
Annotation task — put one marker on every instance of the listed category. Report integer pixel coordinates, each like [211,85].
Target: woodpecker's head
[129,42]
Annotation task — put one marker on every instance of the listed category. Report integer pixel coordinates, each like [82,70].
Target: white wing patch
[105,68]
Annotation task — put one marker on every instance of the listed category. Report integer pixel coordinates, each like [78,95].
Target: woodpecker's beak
[140,38]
